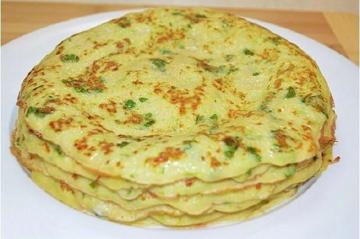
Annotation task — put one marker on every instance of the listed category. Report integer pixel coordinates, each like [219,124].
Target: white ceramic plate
[328,209]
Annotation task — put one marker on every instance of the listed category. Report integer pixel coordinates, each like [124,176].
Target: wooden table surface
[339,31]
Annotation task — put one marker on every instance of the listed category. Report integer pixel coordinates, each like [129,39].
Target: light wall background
[350,6]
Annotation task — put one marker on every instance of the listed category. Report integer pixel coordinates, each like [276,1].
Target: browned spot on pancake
[118,164]
[181,97]
[81,144]
[123,22]
[106,147]
[110,106]
[170,153]
[134,118]
[218,84]
[98,45]
[59,50]
[170,35]
[60,124]
[281,137]
[189,182]
[109,66]
[195,17]
[46,147]
[214,162]
[65,187]
[69,99]
[277,83]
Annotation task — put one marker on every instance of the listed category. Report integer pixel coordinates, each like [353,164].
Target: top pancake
[168,94]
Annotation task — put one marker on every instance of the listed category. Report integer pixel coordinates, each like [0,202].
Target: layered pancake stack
[181,117]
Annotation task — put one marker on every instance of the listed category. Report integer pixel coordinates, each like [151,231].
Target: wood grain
[19,18]
[346,29]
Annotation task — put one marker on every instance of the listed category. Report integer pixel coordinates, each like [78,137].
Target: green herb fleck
[18,141]
[229,57]
[226,23]
[98,90]
[58,149]
[178,14]
[200,16]
[230,151]
[264,107]
[165,51]
[129,191]
[81,90]
[248,52]
[39,112]
[275,40]
[94,183]
[148,116]
[232,144]
[254,152]
[123,22]
[31,110]
[159,63]
[149,123]
[149,120]
[232,69]
[143,99]
[214,117]
[102,79]
[69,58]
[129,104]
[199,118]
[249,172]
[291,92]
[291,170]
[256,73]
[122,144]
[188,144]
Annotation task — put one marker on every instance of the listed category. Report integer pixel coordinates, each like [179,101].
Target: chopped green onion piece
[148,115]
[199,118]
[291,92]
[214,117]
[254,152]
[149,123]
[93,183]
[159,63]
[122,144]
[69,58]
[230,151]
[248,52]
[58,149]
[143,99]
[41,113]
[129,104]
[291,170]
[178,14]
[188,144]
[165,51]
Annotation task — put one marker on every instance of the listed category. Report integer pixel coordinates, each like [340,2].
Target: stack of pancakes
[175,116]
